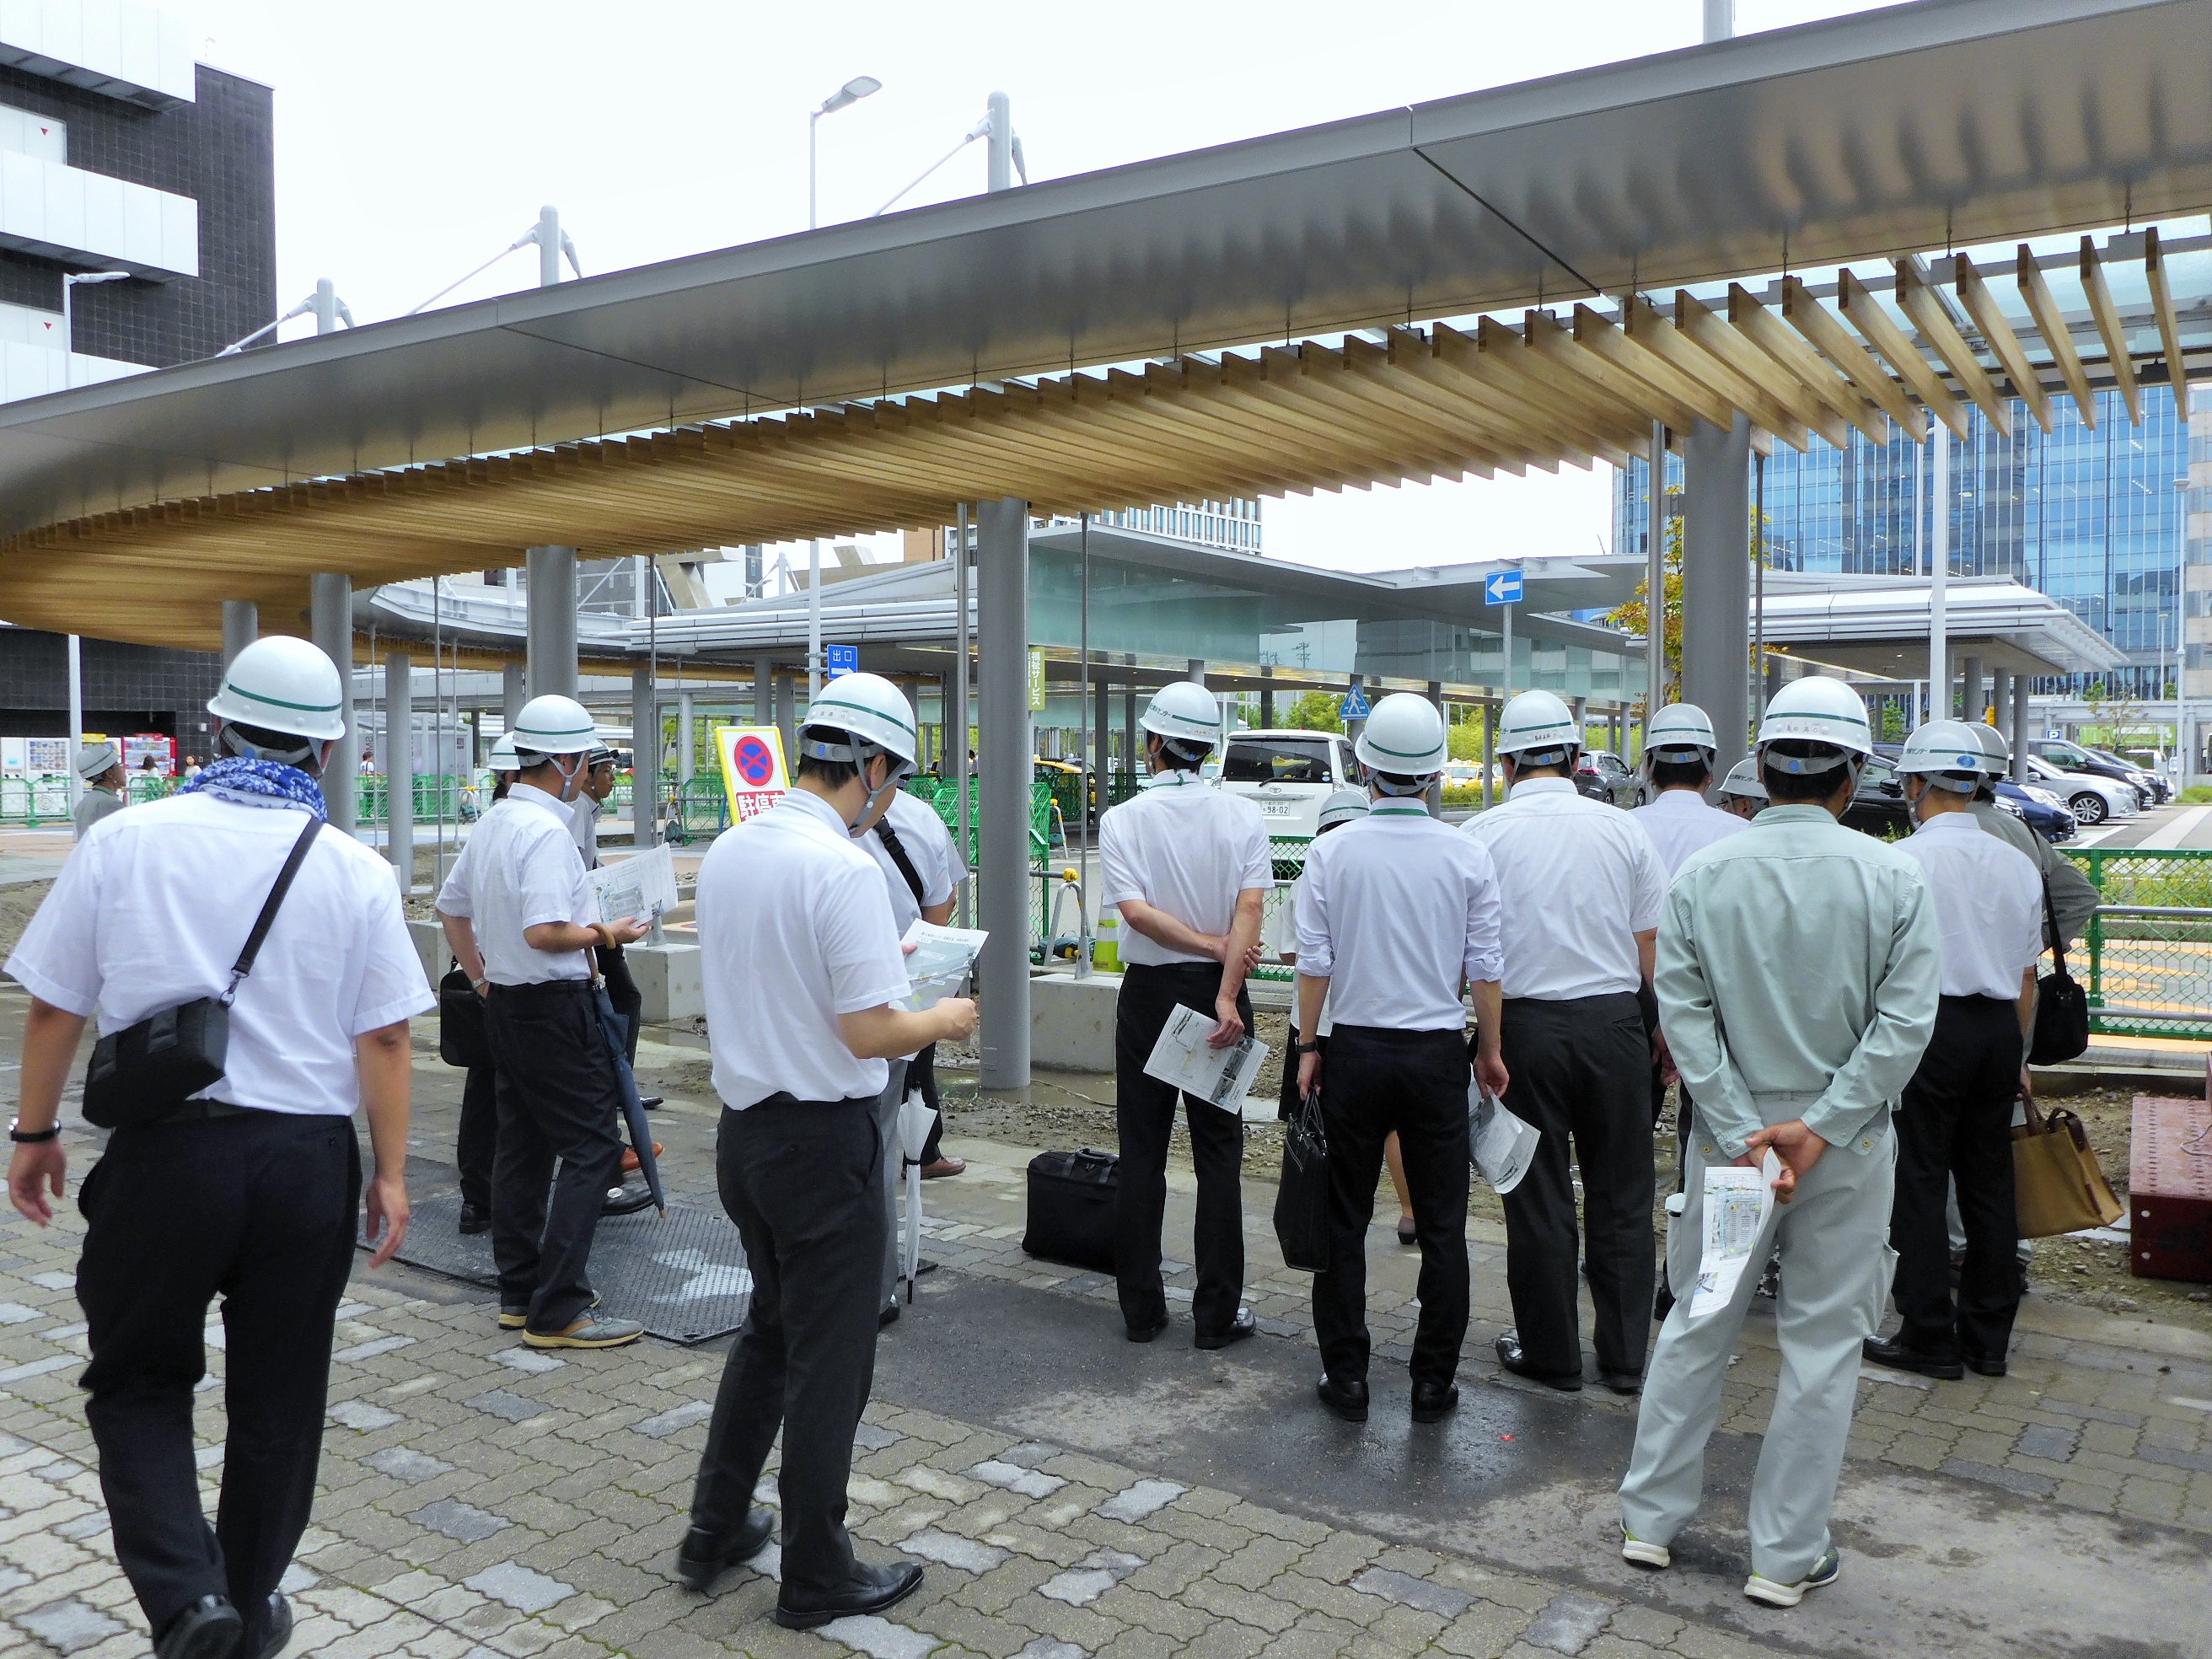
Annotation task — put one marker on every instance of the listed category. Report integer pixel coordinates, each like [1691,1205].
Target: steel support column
[1002,594]
[1971,703]
[1435,792]
[514,691]
[687,736]
[241,626]
[786,717]
[1717,582]
[2022,686]
[330,613]
[645,758]
[2000,697]
[552,620]
[400,766]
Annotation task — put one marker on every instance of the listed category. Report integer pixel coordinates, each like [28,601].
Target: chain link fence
[2148,950]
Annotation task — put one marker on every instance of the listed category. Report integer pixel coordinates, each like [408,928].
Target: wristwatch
[23,1137]
[1306,1047]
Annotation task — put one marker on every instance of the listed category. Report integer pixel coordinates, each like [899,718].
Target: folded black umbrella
[641,1132]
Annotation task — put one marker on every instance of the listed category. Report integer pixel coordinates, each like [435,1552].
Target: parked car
[1878,805]
[2043,812]
[2091,796]
[1603,775]
[2061,756]
[1288,773]
[2149,782]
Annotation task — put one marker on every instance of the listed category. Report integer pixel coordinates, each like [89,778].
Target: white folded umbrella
[914,1121]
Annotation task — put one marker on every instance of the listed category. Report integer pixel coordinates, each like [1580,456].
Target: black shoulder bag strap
[2057,939]
[897,848]
[292,860]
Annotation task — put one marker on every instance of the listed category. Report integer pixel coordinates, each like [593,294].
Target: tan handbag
[2057,1184]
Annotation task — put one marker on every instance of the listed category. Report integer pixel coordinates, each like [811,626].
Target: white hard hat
[94,760]
[1743,781]
[1540,726]
[1679,733]
[1815,709]
[1996,752]
[866,706]
[503,757]
[1948,754]
[284,685]
[1342,807]
[1183,712]
[553,725]
[1404,737]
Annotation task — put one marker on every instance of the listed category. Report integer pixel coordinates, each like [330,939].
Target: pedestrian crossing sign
[1354,705]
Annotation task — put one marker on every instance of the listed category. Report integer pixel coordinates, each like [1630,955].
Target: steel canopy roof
[1948,121]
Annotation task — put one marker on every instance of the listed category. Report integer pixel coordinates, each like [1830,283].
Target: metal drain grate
[684,1279]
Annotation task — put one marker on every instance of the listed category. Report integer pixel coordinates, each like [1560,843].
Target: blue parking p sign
[841,659]
[1501,587]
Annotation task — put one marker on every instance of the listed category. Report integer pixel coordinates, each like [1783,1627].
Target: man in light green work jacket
[1797,980]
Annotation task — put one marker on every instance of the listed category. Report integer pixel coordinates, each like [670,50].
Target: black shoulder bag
[145,1072]
[2062,1007]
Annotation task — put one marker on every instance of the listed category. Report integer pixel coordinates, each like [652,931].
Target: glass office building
[2091,517]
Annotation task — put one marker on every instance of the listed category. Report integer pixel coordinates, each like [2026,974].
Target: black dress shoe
[702,1558]
[1346,1397]
[1662,1303]
[1983,1367]
[1435,1402]
[1146,1333]
[1239,1328]
[1510,1356]
[277,1634]
[1623,1382]
[473,1220]
[889,1316]
[1887,1350]
[209,1629]
[626,1200]
[649,1101]
[871,1590]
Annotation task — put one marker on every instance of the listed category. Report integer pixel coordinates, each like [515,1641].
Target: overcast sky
[415,140]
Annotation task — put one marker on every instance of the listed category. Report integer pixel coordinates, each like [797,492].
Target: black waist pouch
[146,1071]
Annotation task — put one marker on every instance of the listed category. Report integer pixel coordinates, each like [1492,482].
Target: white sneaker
[1825,1570]
[1638,1552]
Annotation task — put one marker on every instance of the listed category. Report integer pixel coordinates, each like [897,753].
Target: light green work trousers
[1836,1266]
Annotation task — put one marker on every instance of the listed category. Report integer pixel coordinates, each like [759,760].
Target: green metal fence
[2147,967]
[1289,853]
[452,796]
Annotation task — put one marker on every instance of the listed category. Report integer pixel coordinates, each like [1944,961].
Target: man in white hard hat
[1679,750]
[99,769]
[921,873]
[520,916]
[1741,793]
[804,986]
[1397,915]
[2073,899]
[1798,977]
[248,1189]
[1956,1120]
[476,1142]
[1581,886]
[1188,867]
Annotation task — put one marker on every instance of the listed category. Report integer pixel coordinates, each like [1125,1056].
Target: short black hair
[1788,788]
[1177,758]
[835,773]
[278,743]
[1679,775]
[1401,783]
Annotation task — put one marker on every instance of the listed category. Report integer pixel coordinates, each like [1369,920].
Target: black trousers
[622,991]
[476,1145]
[1373,1081]
[257,1208]
[559,1099]
[1145,1115]
[1956,1121]
[922,1074]
[1581,1070]
[800,1180]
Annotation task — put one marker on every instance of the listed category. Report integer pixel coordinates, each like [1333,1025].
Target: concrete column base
[1072,1022]
[669,981]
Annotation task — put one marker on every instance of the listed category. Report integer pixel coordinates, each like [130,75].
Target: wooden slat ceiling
[1408,403]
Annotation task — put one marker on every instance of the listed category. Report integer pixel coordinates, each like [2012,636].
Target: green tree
[1464,734]
[1316,711]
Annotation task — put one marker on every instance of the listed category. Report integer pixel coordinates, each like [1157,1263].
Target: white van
[1288,773]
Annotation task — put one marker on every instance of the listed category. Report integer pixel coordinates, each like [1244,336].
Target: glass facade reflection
[2091,517]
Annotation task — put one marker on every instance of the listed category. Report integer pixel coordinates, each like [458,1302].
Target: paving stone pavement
[470,1506]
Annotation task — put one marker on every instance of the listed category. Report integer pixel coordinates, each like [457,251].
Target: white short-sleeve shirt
[1988,899]
[1679,823]
[795,930]
[927,844]
[1185,846]
[154,906]
[1580,880]
[520,869]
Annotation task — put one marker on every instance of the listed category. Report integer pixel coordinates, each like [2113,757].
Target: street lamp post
[70,281]
[851,93]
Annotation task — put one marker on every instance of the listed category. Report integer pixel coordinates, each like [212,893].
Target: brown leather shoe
[942,1167]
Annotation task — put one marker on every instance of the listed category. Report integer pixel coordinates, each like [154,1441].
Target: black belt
[1182,970]
[199,1111]
[784,1098]
[544,990]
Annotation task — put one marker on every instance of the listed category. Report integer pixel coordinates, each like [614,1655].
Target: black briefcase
[1070,1219]
[461,1039]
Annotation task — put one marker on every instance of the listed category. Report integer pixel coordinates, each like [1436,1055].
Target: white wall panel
[63,211]
[124,48]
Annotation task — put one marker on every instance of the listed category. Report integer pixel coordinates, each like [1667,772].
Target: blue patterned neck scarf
[260,783]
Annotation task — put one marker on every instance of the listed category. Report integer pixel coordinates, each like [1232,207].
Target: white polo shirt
[585,829]
[1395,911]
[795,930]
[1679,823]
[1580,879]
[926,843]
[154,906]
[1185,846]
[520,869]
[1988,899]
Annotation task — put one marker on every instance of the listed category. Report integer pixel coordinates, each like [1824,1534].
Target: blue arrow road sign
[1501,587]
[841,659]
[1354,705]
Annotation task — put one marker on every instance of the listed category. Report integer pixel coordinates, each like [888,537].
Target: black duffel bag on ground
[461,1039]
[144,1072]
[2062,1007]
[1071,1204]
[1302,1200]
